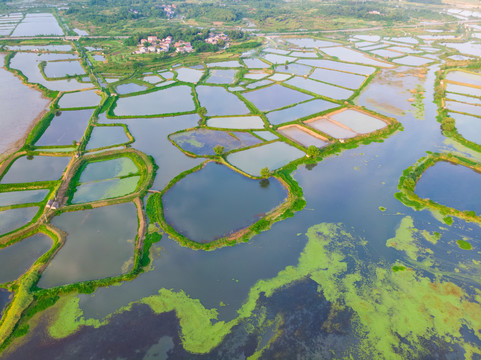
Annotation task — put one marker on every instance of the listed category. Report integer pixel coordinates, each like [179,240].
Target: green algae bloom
[464,244]
[397,312]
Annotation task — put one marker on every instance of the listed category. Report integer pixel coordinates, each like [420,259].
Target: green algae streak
[396,314]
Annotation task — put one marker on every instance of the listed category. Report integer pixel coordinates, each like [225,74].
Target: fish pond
[203,141]
[22,197]
[222,202]
[275,97]
[19,257]
[358,121]
[65,128]
[463,185]
[60,69]
[106,136]
[79,99]
[100,243]
[303,136]
[27,169]
[237,122]
[272,156]
[175,99]
[219,102]
[16,118]
[14,218]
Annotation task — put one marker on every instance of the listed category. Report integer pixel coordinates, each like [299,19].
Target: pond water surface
[40,168]
[19,257]
[272,156]
[79,99]
[103,136]
[100,243]
[38,24]
[175,99]
[16,118]
[299,111]
[452,185]
[219,102]
[203,141]
[66,127]
[22,197]
[275,97]
[14,218]
[234,202]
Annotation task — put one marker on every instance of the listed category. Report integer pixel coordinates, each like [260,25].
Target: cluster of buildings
[169,10]
[183,47]
[153,45]
[214,39]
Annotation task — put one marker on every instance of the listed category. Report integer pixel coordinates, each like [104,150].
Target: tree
[313,151]
[448,124]
[218,149]
[265,172]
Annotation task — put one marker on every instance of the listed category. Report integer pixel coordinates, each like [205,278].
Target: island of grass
[411,176]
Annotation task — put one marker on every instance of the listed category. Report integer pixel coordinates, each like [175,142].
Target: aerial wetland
[307,196]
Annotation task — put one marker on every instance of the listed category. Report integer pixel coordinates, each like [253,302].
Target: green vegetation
[463,244]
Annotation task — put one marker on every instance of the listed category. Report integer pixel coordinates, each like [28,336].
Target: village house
[215,38]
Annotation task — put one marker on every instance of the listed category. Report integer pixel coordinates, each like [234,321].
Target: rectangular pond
[310,43]
[22,197]
[105,189]
[331,129]
[129,88]
[65,128]
[15,218]
[319,88]
[106,136]
[350,81]
[468,126]
[38,168]
[237,122]
[100,243]
[294,69]
[350,55]
[461,89]
[219,102]
[412,61]
[16,118]
[336,65]
[358,121]
[189,75]
[220,76]
[203,141]
[303,136]
[299,111]
[464,77]
[60,69]
[175,99]
[80,99]
[38,24]
[463,107]
[255,63]
[19,257]
[275,97]
[273,156]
